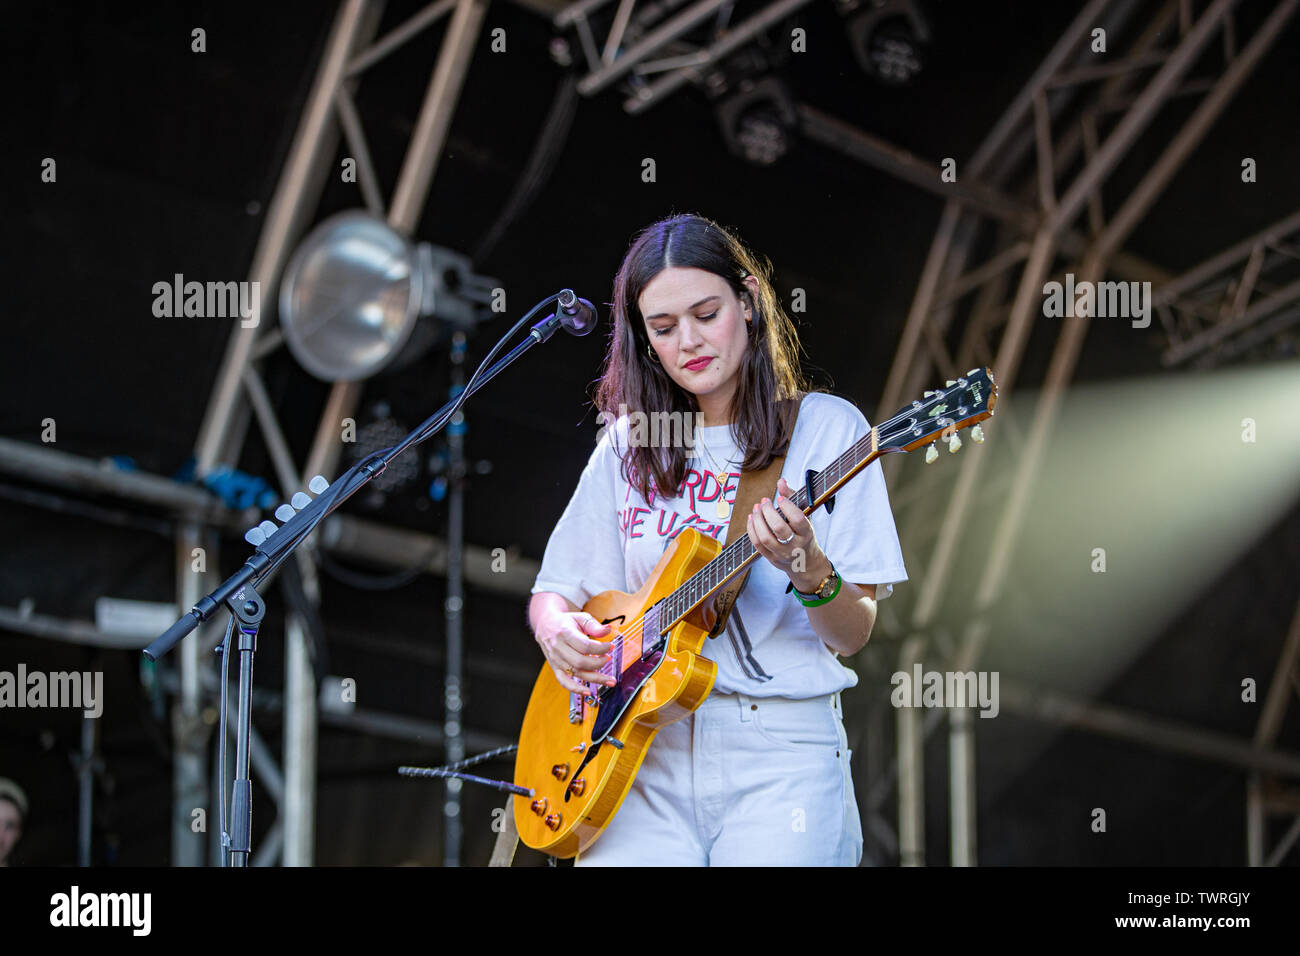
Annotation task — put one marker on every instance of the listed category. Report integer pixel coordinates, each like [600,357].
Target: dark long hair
[769,372]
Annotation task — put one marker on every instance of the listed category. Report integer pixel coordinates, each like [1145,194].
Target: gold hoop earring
[651,355]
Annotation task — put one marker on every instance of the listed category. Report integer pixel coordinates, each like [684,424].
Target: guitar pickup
[575,708]
[651,639]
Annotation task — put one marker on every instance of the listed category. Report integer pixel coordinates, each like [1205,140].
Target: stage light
[758,121]
[355,290]
[889,40]
[761,136]
[350,297]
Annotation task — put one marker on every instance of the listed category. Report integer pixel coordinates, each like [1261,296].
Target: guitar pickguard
[615,700]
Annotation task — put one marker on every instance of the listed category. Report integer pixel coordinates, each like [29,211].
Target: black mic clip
[577,316]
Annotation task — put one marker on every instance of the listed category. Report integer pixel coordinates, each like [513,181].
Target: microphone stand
[238,593]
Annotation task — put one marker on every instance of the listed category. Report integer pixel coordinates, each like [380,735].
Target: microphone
[578,316]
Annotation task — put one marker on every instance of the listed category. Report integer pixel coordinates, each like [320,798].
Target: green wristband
[818,602]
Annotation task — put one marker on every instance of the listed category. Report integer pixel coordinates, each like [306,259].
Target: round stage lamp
[350,297]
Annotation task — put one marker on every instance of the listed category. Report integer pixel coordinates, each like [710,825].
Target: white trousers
[743,781]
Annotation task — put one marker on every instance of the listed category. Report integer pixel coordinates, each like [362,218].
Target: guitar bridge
[575,708]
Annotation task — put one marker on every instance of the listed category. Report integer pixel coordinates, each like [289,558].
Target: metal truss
[1063,135]
[331,106]
[1070,126]
[640,44]
[69,477]
[1234,302]
[341,534]
[1265,793]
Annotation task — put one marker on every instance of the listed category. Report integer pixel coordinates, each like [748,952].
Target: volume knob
[560,771]
[553,820]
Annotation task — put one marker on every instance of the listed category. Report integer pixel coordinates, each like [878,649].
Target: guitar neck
[939,415]
[738,555]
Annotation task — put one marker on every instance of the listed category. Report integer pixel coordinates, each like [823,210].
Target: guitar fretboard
[968,399]
[739,553]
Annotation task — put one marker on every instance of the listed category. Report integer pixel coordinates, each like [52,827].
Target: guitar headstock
[941,414]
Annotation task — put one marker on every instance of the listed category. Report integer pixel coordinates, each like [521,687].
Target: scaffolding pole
[1055,216]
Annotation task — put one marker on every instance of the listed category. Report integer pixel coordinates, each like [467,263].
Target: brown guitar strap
[753,486]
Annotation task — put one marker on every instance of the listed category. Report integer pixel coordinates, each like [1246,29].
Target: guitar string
[636,628]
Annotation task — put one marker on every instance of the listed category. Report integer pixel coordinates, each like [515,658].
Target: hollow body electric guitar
[578,754]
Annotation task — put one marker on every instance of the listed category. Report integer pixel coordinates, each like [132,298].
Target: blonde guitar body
[576,770]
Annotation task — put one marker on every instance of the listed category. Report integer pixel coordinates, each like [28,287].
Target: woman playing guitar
[759,773]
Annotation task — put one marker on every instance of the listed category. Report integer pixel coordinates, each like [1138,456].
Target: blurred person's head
[13,811]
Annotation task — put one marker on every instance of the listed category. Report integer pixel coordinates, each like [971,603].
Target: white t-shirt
[610,538]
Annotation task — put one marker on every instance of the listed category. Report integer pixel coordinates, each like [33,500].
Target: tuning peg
[300,500]
[931,453]
[284,512]
[950,383]
[954,442]
[317,484]
[268,528]
[977,435]
[254,536]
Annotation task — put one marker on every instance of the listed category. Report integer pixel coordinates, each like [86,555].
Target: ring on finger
[568,669]
[785,540]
